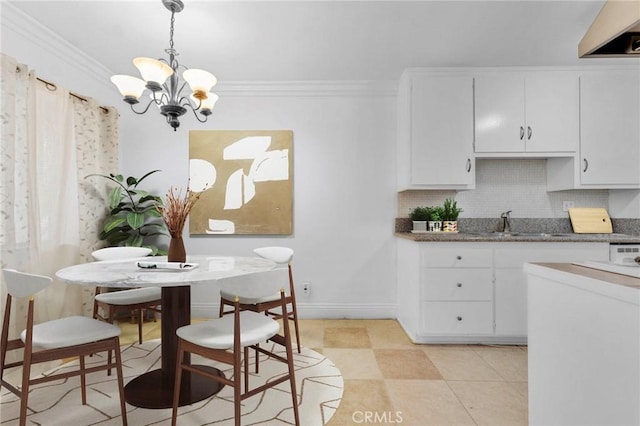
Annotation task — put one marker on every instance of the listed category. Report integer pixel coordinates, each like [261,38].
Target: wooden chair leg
[257,358]
[237,391]
[291,368]
[295,324]
[110,321]
[140,320]
[123,408]
[246,368]
[83,381]
[24,391]
[221,310]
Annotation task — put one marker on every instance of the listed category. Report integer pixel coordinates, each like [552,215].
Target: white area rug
[318,381]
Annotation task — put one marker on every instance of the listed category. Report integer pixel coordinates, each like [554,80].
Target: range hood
[615,32]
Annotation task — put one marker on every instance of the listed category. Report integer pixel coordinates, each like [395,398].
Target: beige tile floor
[389,380]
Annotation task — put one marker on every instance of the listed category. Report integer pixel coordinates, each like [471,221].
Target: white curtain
[50,215]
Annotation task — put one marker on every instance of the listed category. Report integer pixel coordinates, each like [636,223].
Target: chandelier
[161,78]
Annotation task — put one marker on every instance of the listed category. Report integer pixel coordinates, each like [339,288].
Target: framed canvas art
[246,181]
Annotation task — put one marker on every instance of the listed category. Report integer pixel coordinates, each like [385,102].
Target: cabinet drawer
[456,258]
[513,256]
[457,317]
[457,284]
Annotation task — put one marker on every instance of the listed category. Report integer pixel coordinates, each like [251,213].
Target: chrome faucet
[506,225]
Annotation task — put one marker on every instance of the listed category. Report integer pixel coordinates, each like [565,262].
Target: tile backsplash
[501,185]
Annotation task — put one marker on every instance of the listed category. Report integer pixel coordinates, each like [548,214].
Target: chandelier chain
[173,20]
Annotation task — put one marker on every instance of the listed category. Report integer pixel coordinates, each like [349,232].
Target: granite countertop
[521,237]
[522,229]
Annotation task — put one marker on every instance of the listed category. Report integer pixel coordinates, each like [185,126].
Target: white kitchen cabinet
[526,112]
[609,156]
[435,131]
[456,290]
[468,292]
[609,127]
[511,283]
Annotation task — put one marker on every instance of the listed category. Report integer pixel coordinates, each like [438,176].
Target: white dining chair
[136,299]
[58,339]
[282,256]
[228,338]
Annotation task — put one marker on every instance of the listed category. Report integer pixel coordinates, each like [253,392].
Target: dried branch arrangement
[176,208]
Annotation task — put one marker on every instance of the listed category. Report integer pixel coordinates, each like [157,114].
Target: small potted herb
[450,212]
[420,216]
[435,223]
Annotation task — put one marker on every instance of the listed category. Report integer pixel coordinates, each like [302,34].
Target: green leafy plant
[134,217]
[420,214]
[436,213]
[450,210]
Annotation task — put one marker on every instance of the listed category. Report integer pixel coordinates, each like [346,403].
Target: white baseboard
[316,311]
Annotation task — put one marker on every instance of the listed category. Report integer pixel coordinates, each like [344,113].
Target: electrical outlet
[566,205]
[306,288]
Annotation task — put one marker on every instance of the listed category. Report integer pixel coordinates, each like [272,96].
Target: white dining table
[154,389]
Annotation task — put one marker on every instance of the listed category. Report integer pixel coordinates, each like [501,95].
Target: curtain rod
[53,87]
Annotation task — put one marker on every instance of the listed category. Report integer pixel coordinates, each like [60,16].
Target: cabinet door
[499,112]
[511,302]
[551,111]
[442,130]
[609,130]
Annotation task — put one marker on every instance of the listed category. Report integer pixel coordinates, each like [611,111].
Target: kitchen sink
[518,234]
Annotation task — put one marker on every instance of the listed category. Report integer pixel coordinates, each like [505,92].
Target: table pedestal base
[154,390]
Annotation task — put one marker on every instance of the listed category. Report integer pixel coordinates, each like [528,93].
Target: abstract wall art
[246,181]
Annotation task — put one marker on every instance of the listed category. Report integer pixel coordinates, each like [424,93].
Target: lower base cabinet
[468,292]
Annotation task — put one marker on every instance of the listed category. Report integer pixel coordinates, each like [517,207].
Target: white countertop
[617,286]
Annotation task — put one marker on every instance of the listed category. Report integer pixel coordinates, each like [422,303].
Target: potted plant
[435,223]
[450,212]
[134,219]
[420,216]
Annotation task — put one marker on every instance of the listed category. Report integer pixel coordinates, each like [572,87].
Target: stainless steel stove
[623,259]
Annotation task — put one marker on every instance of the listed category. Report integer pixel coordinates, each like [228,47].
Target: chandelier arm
[164,97]
[184,101]
[195,113]
[145,110]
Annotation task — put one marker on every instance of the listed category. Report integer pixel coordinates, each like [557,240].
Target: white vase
[420,225]
[435,226]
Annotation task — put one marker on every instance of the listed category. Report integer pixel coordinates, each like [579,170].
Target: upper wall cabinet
[435,131]
[609,135]
[526,112]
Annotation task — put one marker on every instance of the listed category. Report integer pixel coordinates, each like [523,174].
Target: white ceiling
[312,40]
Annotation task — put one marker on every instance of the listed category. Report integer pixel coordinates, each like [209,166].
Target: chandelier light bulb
[200,81]
[130,88]
[207,104]
[154,72]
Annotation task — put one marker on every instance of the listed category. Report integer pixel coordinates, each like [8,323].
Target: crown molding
[315,88]
[24,26]
[20,23]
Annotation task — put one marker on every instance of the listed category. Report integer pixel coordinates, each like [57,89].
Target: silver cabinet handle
[586,165]
[468,165]
[459,285]
[529,132]
[521,132]
[459,318]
